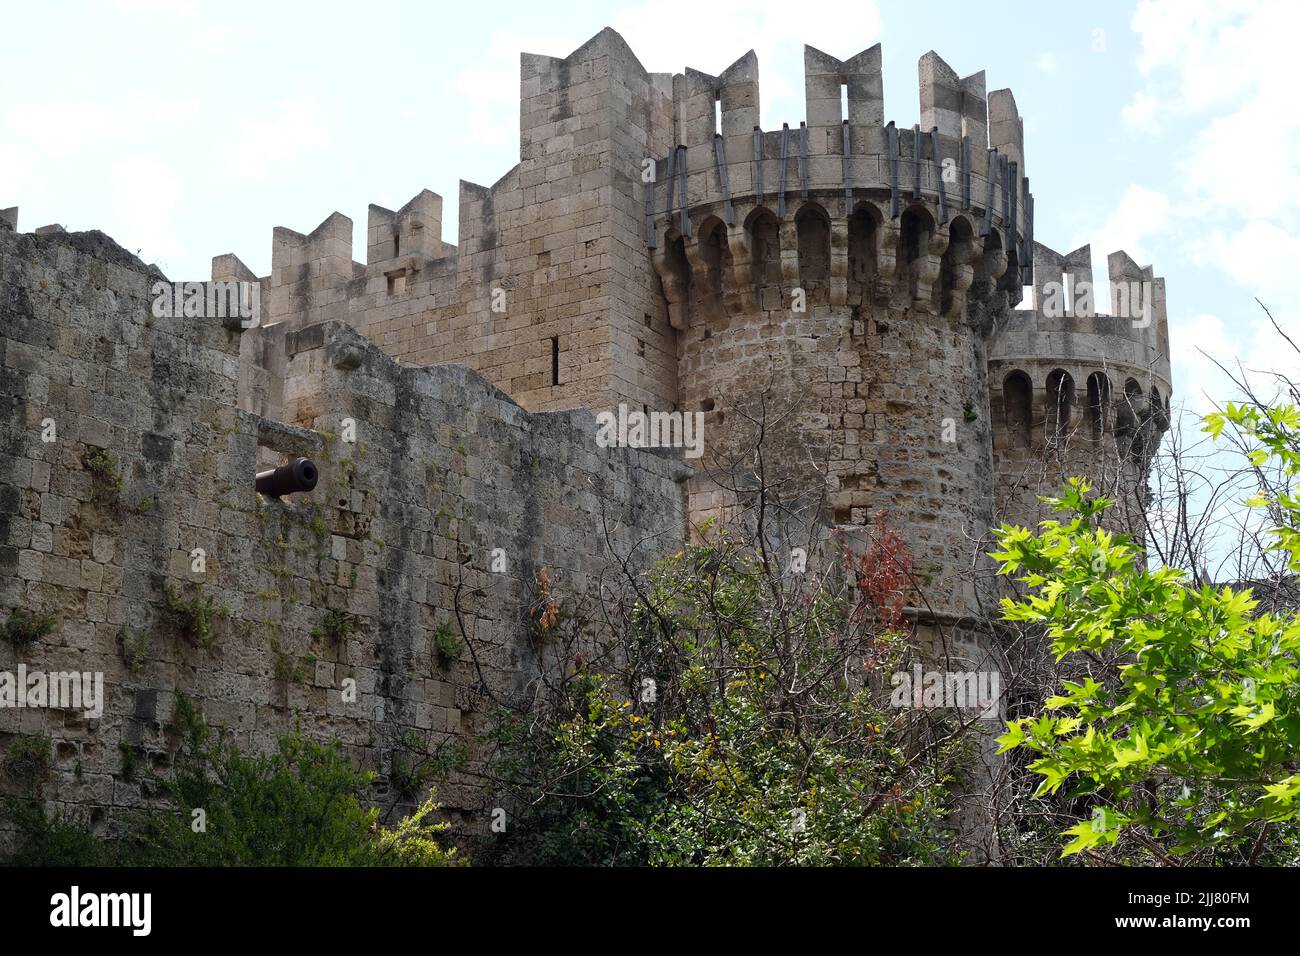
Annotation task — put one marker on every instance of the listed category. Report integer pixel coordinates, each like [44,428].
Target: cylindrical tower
[1078,393]
[833,286]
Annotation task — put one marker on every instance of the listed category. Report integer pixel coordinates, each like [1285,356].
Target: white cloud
[162,108]
[1141,213]
[1046,62]
[16,166]
[146,193]
[1142,115]
[1260,256]
[1198,338]
[1247,346]
[153,8]
[292,130]
[1217,50]
[1245,163]
[1227,65]
[489,90]
[62,128]
[1221,71]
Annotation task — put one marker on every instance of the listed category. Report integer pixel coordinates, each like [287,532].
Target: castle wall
[398,535]
[837,299]
[676,289]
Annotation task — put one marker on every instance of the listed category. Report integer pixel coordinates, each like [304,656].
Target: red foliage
[883,573]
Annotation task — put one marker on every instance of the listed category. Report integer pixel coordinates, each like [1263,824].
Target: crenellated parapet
[919,213]
[1065,326]
[9,220]
[310,273]
[1092,386]
[401,243]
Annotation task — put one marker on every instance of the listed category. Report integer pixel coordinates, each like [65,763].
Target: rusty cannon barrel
[294,476]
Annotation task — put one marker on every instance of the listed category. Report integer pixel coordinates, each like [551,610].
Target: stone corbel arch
[994,262]
[888,235]
[738,287]
[959,265]
[707,252]
[789,253]
[673,267]
[839,277]
[763,241]
[925,243]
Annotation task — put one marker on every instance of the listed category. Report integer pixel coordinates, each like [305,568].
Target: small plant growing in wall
[192,619]
[286,670]
[335,625]
[447,645]
[29,761]
[24,628]
[134,649]
[347,472]
[188,724]
[451,755]
[968,412]
[99,462]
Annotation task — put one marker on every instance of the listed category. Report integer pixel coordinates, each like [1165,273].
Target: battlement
[946,197]
[965,155]
[1064,325]
[732,208]
[1063,320]
[964,158]
[1117,363]
[1064,290]
[9,220]
[415,230]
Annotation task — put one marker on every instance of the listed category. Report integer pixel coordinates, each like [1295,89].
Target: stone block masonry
[146,488]
[845,286]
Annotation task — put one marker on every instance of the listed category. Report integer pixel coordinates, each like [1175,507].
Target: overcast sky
[188,129]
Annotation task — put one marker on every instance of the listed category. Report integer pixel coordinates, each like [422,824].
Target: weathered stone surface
[879,353]
[399,535]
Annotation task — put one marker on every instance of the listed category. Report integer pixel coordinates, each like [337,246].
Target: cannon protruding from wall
[299,475]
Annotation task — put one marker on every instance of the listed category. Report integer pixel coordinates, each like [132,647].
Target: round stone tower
[834,286]
[1075,392]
